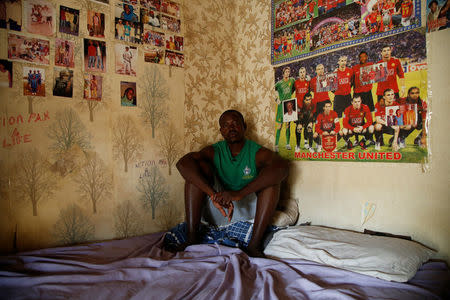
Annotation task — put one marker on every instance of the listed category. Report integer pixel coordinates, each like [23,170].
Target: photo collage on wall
[152,25]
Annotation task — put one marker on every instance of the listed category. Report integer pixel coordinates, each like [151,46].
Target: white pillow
[382,257]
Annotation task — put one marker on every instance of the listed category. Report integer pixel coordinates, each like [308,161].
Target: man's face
[342,62]
[307,101]
[319,70]
[289,106]
[127,9]
[391,112]
[362,58]
[327,108]
[232,128]
[286,73]
[389,97]
[414,94]
[386,53]
[433,7]
[356,103]
[302,73]
[130,94]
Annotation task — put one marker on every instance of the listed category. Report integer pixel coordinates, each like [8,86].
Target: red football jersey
[327,122]
[407,9]
[318,96]
[394,69]
[301,88]
[344,81]
[357,117]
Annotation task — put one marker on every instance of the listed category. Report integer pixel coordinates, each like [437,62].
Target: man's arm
[190,167]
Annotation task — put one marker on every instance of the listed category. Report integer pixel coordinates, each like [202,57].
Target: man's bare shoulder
[265,156]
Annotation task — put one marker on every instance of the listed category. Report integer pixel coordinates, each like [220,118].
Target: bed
[138,268]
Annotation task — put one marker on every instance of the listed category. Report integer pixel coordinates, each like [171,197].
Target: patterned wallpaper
[228,66]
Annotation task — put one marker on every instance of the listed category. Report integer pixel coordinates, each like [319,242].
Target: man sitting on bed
[222,180]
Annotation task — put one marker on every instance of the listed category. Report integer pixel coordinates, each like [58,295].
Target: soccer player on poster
[381,125]
[357,121]
[413,98]
[319,97]
[327,124]
[364,91]
[342,97]
[285,87]
[305,122]
[301,86]
[407,10]
[395,70]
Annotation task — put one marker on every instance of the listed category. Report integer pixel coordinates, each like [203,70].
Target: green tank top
[235,172]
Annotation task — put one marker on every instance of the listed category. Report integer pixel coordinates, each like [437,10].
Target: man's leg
[265,207]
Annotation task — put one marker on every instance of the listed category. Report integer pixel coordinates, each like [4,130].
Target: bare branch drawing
[154,190]
[169,216]
[154,103]
[67,130]
[94,182]
[73,226]
[127,220]
[126,140]
[33,179]
[171,145]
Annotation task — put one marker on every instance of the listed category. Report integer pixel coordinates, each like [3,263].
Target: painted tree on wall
[94,181]
[169,215]
[127,220]
[153,189]
[33,179]
[171,145]
[67,130]
[155,93]
[127,143]
[73,226]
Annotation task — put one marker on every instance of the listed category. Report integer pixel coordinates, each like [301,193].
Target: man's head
[290,106]
[327,107]
[232,126]
[388,96]
[307,99]
[129,93]
[356,102]
[433,6]
[302,73]
[342,62]
[320,69]
[391,112]
[386,52]
[126,48]
[398,112]
[363,57]
[414,93]
[286,72]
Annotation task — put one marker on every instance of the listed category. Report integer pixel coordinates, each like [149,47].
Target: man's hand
[358,129]
[222,204]
[325,133]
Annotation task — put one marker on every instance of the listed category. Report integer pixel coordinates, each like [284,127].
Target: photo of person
[154,55]
[62,82]
[170,8]
[327,82]
[64,53]
[150,17]
[6,74]
[290,110]
[373,73]
[174,59]
[39,17]
[94,55]
[128,31]
[438,14]
[11,14]
[69,20]
[174,42]
[96,24]
[128,93]
[409,112]
[92,87]
[126,12]
[33,81]
[153,38]
[126,59]
[22,48]
[151,4]
[169,23]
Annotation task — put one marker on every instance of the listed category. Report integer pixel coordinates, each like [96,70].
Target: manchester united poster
[363,103]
